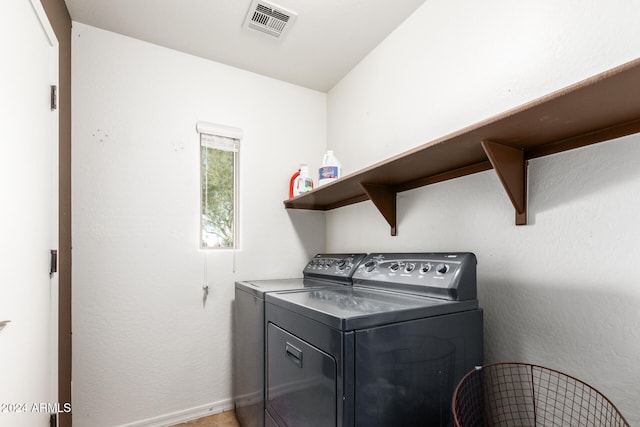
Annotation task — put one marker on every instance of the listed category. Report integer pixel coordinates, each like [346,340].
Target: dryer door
[301,381]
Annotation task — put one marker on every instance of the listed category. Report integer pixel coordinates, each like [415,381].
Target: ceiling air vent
[269,18]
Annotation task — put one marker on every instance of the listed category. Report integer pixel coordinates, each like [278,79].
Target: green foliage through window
[218,170]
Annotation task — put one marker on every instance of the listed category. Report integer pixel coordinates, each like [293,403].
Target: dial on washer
[442,268]
[369,266]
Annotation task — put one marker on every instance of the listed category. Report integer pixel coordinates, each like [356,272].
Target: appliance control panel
[333,266]
[442,275]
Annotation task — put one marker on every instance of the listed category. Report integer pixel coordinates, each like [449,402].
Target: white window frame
[207,135]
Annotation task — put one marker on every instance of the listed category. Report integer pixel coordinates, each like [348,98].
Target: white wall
[147,348]
[561,291]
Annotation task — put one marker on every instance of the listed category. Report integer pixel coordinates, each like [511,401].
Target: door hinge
[54,97]
[53,420]
[53,267]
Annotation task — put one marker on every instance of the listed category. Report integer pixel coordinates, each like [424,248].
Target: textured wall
[561,291]
[147,347]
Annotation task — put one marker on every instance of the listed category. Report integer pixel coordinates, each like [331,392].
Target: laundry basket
[518,394]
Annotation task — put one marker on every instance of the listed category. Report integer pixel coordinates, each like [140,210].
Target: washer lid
[260,287]
[348,308]
[321,270]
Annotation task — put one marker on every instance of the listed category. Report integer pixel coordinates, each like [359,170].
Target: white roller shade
[219,142]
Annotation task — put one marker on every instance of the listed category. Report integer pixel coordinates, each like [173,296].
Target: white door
[28,214]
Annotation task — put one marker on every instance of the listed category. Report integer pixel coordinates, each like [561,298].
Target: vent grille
[269,18]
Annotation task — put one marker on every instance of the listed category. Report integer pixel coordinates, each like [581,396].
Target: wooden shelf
[603,107]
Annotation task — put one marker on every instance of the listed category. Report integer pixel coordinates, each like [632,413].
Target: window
[219,146]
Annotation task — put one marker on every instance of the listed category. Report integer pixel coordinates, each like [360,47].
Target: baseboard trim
[184,415]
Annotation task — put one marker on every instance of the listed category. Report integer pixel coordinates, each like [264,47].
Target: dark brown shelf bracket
[511,167]
[384,197]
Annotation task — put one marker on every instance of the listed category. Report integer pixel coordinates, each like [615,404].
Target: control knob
[425,268]
[370,265]
[442,268]
[410,267]
[342,264]
[394,267]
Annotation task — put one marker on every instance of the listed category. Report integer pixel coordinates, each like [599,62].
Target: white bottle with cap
[303,181]
[330,169]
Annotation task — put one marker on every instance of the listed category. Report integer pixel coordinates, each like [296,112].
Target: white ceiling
[328,38]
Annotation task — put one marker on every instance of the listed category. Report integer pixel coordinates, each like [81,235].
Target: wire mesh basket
[518,394]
